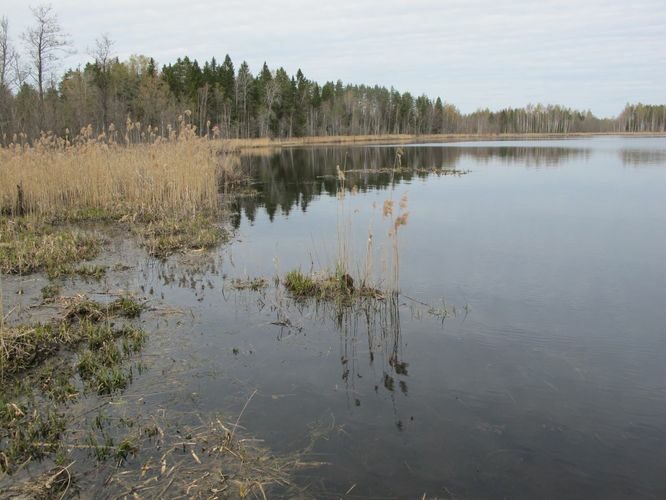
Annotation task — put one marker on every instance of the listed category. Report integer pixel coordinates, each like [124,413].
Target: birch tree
[45,42]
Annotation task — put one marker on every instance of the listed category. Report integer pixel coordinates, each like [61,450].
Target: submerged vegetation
[25,346]
[38,376]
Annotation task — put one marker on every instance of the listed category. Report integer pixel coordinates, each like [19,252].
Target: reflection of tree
[638,157]
[293,177]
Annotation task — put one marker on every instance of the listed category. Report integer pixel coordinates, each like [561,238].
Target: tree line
[223,100]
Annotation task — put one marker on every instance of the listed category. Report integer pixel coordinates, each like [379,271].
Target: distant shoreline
[260,143]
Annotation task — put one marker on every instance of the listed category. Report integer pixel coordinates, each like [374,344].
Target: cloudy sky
[596,54]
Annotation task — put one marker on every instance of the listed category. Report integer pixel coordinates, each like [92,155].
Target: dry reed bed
[96,178]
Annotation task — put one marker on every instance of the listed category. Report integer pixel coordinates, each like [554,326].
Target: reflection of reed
[375,323]
[294,177]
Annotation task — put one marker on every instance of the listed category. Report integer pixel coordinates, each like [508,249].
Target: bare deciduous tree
[44,41]
[102,72]
[7,53]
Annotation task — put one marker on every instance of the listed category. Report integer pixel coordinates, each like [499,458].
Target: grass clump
[125,448]
[50,292]
[27,246]
[100,365]
[95,272]
[126,306]
[81,308]
[56,382]
[26,432]
[25,346]
[301,285]
[165,237]
[338,287]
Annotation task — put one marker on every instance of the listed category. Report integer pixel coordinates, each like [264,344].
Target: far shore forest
[227,100]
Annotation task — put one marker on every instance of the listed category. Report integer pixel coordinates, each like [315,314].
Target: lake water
[544,379]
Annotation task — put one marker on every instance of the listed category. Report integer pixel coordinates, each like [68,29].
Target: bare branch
[46,42]
[102,52]
[6,51]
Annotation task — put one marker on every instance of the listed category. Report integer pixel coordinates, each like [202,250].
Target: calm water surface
[546,380]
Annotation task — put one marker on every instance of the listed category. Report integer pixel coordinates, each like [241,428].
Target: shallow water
[546,377]
[549,378]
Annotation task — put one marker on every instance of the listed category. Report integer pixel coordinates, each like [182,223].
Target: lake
[523,357]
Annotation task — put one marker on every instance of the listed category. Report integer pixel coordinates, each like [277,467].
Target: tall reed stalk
[395,214]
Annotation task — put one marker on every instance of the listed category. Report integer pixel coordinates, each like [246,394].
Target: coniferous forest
[226,99]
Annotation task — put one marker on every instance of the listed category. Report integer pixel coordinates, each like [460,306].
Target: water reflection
[553,383]
[641,157]
[293,178]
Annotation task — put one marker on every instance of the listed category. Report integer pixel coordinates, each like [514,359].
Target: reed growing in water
[354,276]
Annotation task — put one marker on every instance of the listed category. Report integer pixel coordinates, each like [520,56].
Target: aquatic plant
[396,216]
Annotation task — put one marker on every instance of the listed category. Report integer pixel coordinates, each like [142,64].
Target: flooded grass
[28,246]
[53,484]
[24,346]
[254,284]
[43,365]
[95,272]
[165,237]
[213,461]
[81,308]
[50,292]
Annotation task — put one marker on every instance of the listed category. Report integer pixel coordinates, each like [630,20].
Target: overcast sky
[596,54]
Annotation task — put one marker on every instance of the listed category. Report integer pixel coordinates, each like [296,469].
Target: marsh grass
[37,380]
[98,178]
[170,191]
[394,214]
[28,246]
[164,237]
[25,346]
[353,277]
